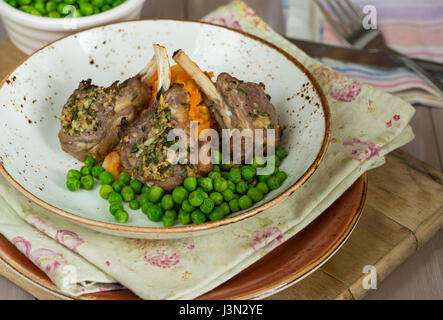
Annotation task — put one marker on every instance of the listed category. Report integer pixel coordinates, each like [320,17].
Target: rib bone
[206,85]
[163,68]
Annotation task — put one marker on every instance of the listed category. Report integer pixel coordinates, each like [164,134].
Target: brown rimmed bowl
[32,95]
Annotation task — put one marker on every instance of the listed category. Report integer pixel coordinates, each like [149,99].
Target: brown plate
[282,267]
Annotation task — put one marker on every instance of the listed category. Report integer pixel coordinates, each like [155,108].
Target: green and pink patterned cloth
[366,125]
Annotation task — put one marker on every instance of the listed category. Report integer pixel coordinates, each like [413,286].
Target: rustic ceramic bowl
[32,95]
[29,32]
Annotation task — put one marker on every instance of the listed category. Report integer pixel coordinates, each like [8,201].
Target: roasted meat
[91,117]
[236,104]
[145,145]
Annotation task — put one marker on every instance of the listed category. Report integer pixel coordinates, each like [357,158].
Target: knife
[373,57]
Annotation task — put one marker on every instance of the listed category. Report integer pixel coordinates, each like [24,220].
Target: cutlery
[374,58]
[346,19]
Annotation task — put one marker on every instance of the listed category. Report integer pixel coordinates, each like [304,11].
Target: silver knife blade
[374,58]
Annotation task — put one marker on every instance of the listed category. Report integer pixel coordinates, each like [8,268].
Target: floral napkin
[366,125]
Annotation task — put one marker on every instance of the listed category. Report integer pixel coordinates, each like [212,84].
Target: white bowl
[32,96]
[30,33]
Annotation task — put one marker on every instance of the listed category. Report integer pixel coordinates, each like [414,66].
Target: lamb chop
[144,147]
[236,104]
[92,115]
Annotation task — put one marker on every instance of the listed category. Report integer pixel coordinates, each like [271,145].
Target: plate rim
[207,225]
[50,287]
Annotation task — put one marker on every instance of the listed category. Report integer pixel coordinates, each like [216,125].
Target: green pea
[245,202]
[220,184]
[73,174]
[214,175]
[70,1]
[190,184]
[184,217]
[98,3]
[226,166]
[155,213]
[136,186]
[205,183]
[216,168]
[90,161]
[242,187]
[228,195]
[117,3]
[248,172]
[231,186]
[196,198]
[40,6]
[86,9]
[217,197]
[127,193]
[168,221]
[235,175]
[273,183]
[106,178]
[117,186]
[60,7]
[225,175]
[106,8]
[124,178]
[105,191]
[146,206]
[24,2]
[114,207]
[179,194]
[187,207]
[144,199]
[52,6]
[115,197]
[204,194]
[134,204]
[87,182]
[85,171]
[170,213]
[281,176]
[73,184]
[13,3]
[263,187]
[255,194]
[198,217]
[258,162]
[207,205]
[167,202]
[96,10]
[155,194]
[109,2]
[145,189]
[97,170]
[262,178]
[121,216]
[233,204]
[216,214]
[281,152]
[225,208]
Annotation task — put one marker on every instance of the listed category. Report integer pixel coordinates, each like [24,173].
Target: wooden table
[420,276]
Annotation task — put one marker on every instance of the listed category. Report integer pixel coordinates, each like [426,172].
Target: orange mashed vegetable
[198,111]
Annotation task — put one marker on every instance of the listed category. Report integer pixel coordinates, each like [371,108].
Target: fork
[347,19]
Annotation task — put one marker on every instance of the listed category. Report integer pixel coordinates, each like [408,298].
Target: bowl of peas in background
[32,24]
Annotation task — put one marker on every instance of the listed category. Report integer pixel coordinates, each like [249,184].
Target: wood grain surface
[421,275]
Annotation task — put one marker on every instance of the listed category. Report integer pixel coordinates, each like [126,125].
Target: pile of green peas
[63,8]
[227,189]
